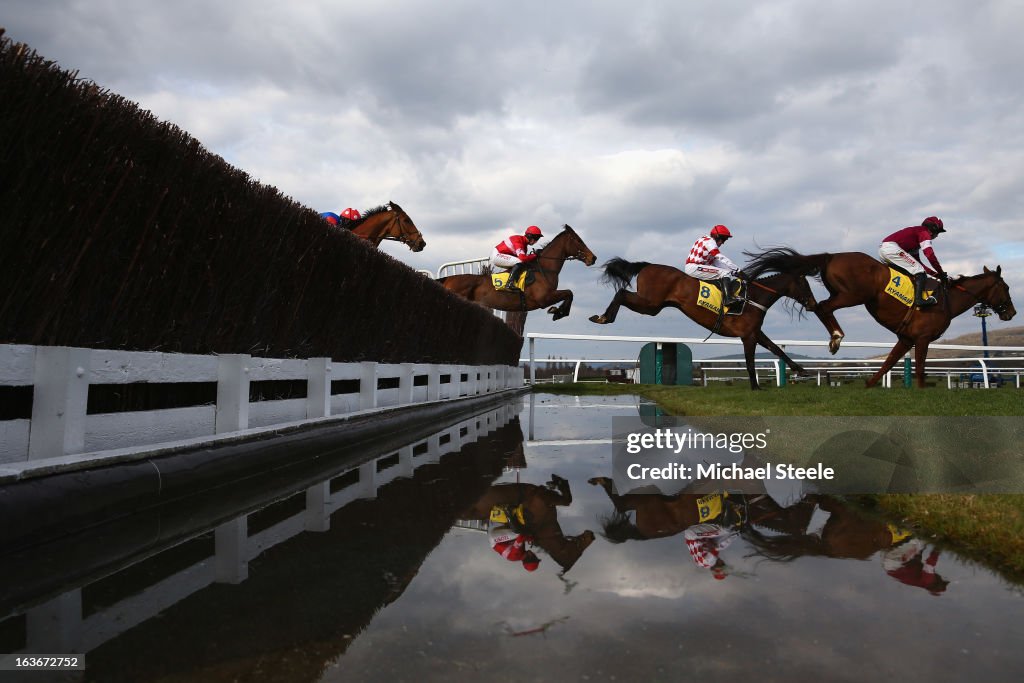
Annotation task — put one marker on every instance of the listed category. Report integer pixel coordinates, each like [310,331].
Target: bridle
[407,237]
[984,296]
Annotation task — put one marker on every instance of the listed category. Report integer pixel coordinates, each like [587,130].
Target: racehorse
[543,291]
[387,222]
[659,286]
[541,518]
[853,278]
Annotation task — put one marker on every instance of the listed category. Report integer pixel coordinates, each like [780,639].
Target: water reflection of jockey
[904,564]
[706,262]
[705,542]
[512,253]
[513,546]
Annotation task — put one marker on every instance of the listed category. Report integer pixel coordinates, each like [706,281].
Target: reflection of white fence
[58,625]
[774,367]
[60,378]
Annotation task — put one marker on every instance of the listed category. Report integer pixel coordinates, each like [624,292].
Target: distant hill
[1012,336]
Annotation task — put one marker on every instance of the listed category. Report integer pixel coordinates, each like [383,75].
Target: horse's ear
[568,227]
[999,270]
[986,269]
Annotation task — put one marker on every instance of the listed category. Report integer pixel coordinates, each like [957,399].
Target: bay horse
[659,287]
[543,291]
[387,222]
[541,517]
[853,278]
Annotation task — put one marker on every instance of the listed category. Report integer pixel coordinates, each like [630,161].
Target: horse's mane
[566,229]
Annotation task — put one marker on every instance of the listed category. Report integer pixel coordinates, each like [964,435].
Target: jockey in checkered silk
[512,253]
[705,542]
[706,262]
[903,249]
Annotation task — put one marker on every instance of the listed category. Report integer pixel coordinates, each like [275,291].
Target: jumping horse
[659,287]
[540,515]
[387,222]
[853,279]
[543,291]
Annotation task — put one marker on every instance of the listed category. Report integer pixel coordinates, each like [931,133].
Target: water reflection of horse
[543,291]
[659,287]
[540,515]
[853,278]
[387,222]
[850,535]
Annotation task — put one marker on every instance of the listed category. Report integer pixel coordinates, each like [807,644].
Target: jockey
[513,546]
[349,214]
[705,541]
[331,218]
[903,249]
[706,262]
[512,253]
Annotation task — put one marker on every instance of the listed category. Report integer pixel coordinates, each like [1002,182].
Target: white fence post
[232,392]
[405,383]
[318,387]
[367,385]
[59,401]
[317,498]
[433,382]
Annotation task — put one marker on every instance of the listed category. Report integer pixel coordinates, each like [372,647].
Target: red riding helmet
[535,231]
[721,231]
[531,562]
[933,223]
[351,214]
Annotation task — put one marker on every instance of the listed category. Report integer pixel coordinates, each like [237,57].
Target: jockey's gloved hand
[740,274]
[943,275]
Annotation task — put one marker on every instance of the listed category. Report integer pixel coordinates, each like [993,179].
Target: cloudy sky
[823,126]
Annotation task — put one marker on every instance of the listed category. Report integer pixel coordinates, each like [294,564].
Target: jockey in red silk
[706,262]
[903,249]
[512,547]
[512,253]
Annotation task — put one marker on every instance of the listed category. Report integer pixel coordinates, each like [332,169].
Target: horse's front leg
[902,346]
[767,343]
[559,295]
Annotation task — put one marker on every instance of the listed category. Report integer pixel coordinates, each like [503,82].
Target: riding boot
[514,275]
[728,285]
[919,285]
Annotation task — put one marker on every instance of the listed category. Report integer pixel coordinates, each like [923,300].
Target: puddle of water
[378,577]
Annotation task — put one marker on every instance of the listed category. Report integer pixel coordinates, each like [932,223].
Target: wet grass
[988,528]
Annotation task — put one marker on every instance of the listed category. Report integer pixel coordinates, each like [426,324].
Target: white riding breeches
[704,272]
[500,260]
[894,254]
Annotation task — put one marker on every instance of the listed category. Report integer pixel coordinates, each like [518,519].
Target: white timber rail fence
[60,378]
[974,365]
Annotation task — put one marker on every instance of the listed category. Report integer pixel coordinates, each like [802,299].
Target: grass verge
[987,528]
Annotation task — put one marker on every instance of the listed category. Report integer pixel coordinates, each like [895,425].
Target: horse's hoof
[834,342]
[599,319]
[597,481]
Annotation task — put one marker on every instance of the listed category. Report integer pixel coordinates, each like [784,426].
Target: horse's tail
[619,272]
[618,528]
[785,260]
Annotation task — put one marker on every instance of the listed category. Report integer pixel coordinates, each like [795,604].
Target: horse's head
[568,245]
[997,293]
[403,229]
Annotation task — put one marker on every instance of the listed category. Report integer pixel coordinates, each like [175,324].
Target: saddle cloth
[499,279]
[709,296]
[901,287]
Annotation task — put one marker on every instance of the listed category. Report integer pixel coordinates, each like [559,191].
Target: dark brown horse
[543,291]
[541,517]
[387,222]
[853,278]
[659,287]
